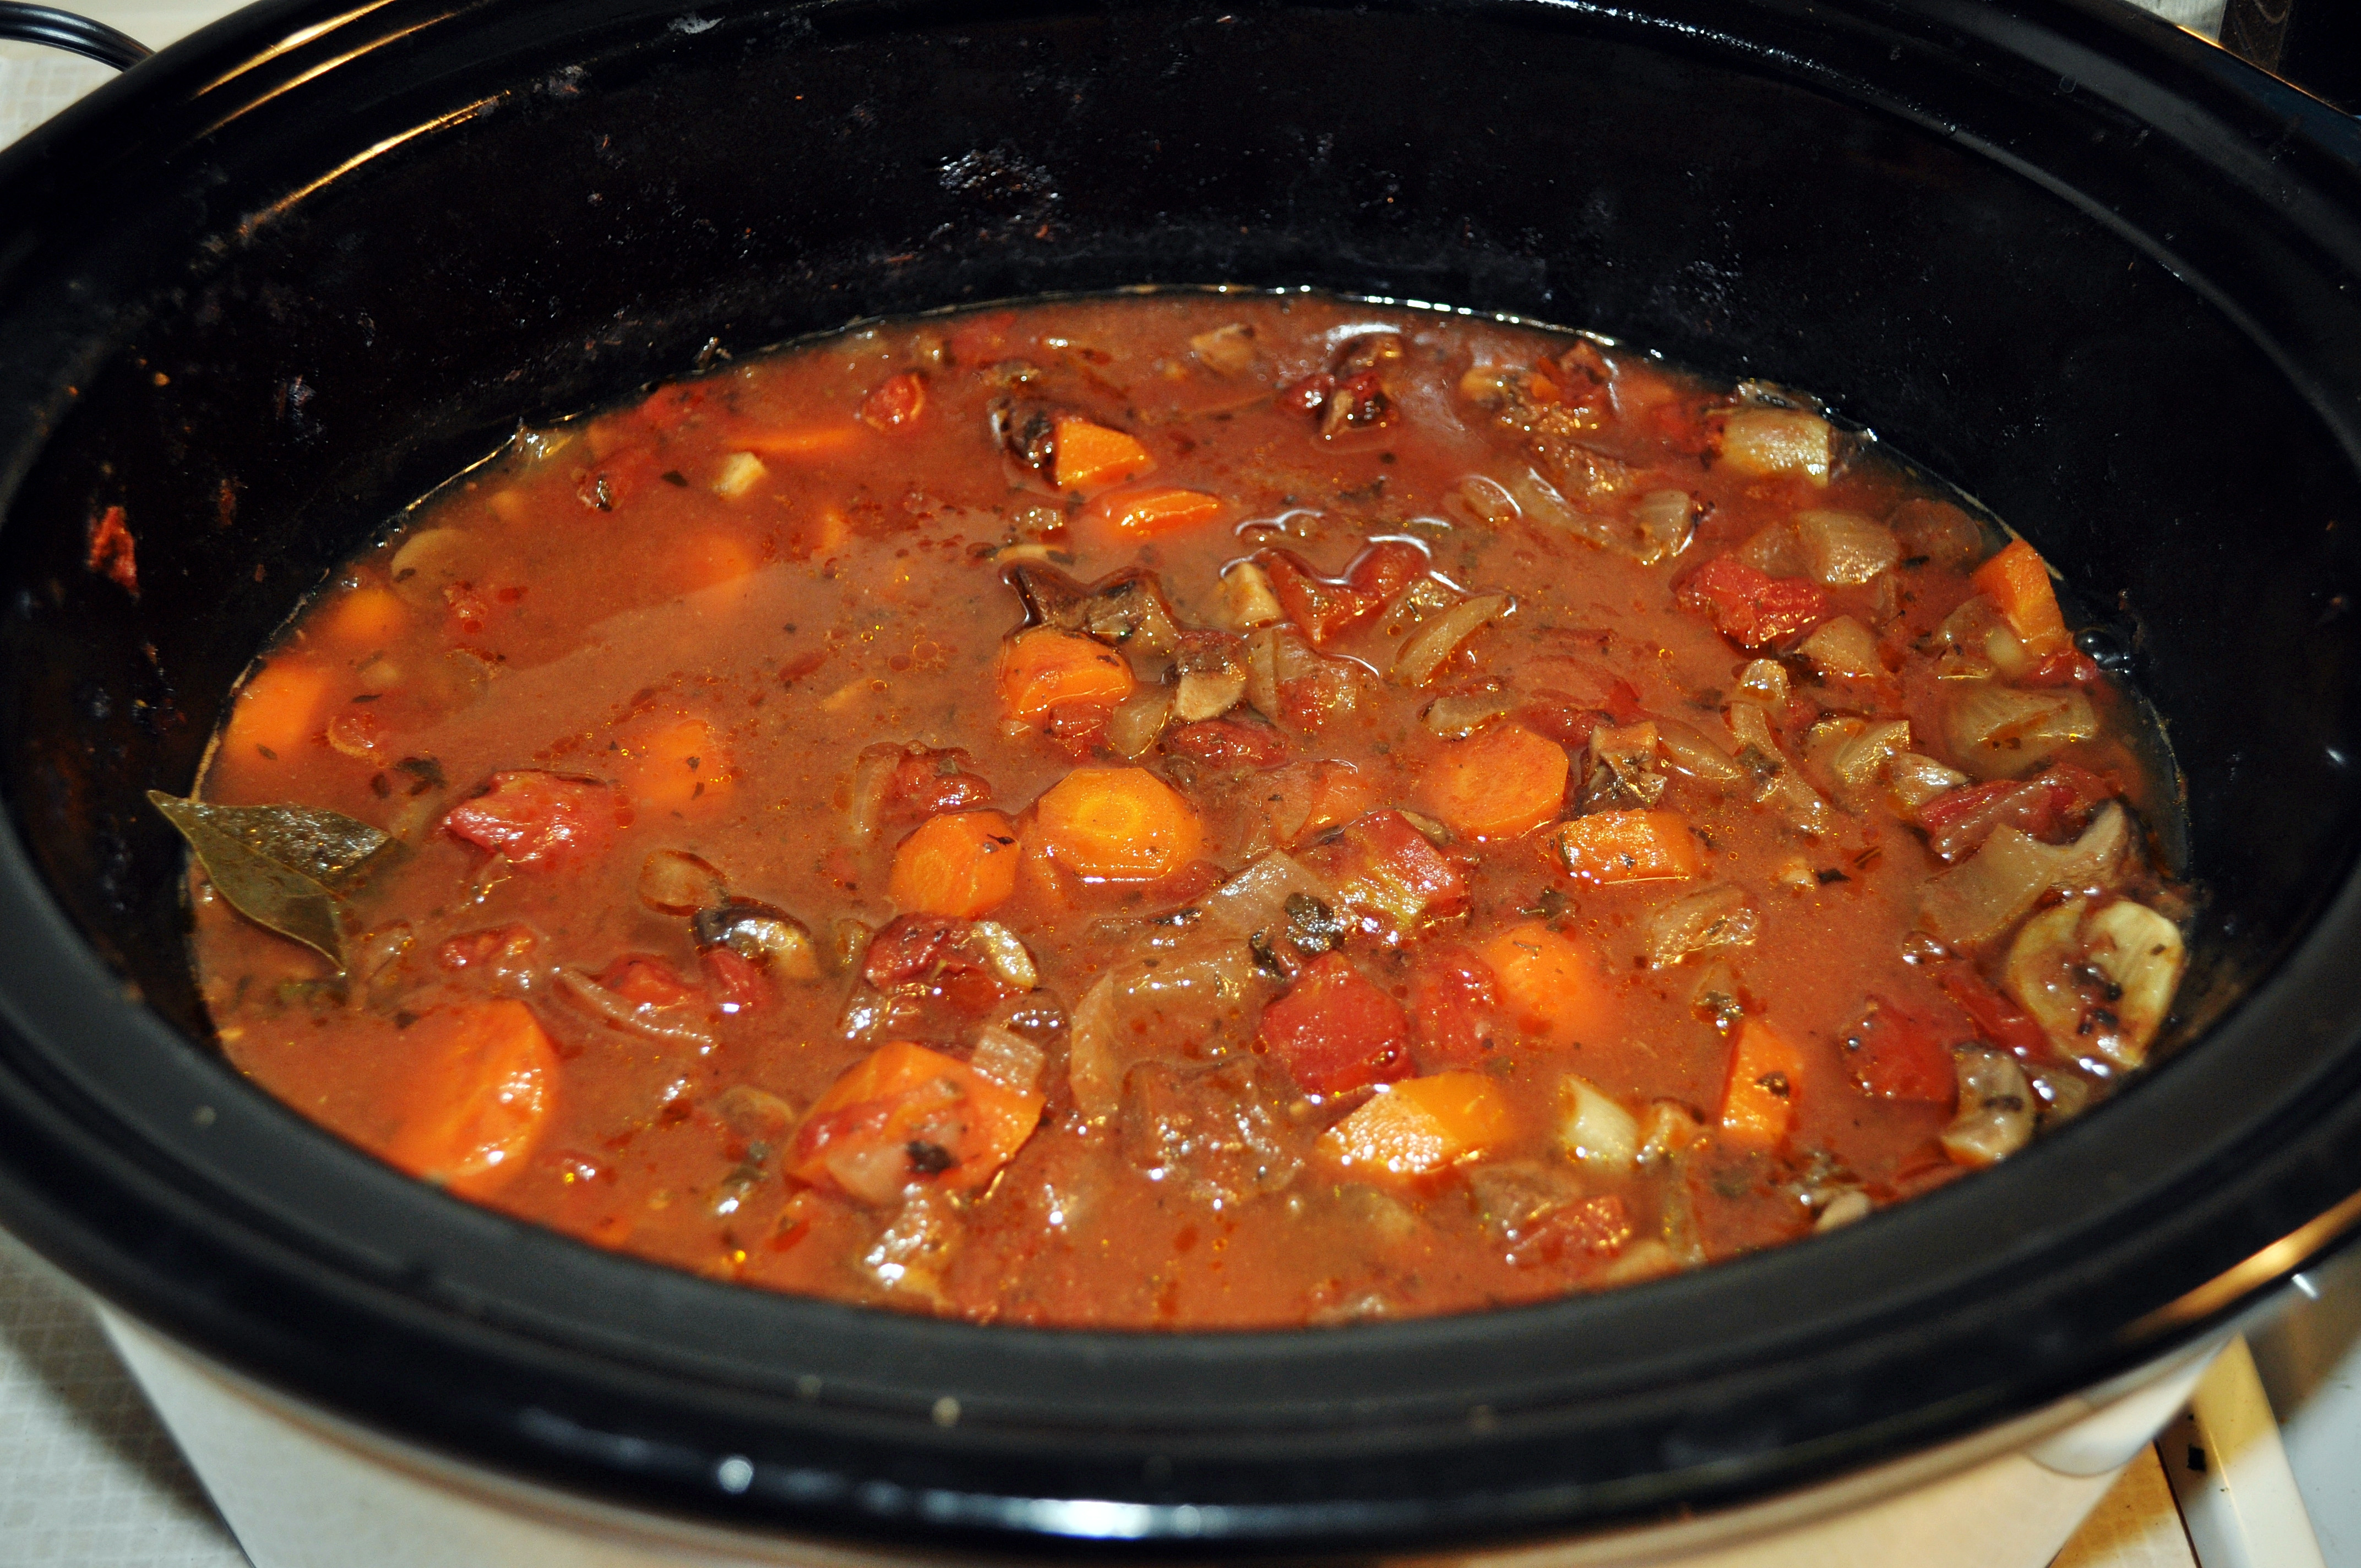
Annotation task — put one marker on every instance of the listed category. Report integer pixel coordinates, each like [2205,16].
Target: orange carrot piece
[1419,1126]
[674,762]
[1091,456]
[1625,846]
[2017,580]
[816,441]
[1044,669]
[1165,509]
[1548,984]
[904,1114]
[960,865]
[1758,1099]
[1116,825]
[278,711]
[363,620]
[1503,781]
[483,1089]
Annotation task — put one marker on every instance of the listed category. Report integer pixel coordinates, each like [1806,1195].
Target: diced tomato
[1228,742]
[2071,668]
[1751,608]
[1595,1227]
[646,982]
[908,1116]
[931,954]
[1310,395]
[1385,866]
[614,480]
[932,783]
[1958,821]
[1385,569]
[1896,1054]
[896,401]
[1336,1030]
[537,819]
[1455,1001]
[1996,1018]
[1323,608]
[669,407]
[737,983]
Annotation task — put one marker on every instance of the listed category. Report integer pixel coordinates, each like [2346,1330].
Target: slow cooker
[281,280]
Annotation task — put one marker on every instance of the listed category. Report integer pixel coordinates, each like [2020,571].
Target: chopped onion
[1668,1130]
[1751,726]
[1843,646]
[1262,670]
[1856,762]
[740,472]
[428,562]
[1693,752]
[1256,899]
[1991,890]
[1939,531]
[1774,551]
[1228,350]
[1778,441]
[1597,1131]
[1004,954]
[1138,721]
[1483,501]
[1763,680]
[1976,632]
[1543,504]
[1008,1059]
[674,882]
[1666,520]
[1916,780]
[1848,1206]
[1102,1049]
[2000,732]
[682,1022]
[1415,604]
[1247,596]
[1440,638]
[1842,548]
[754,1114]
[1698,922]
[1996,1115]
[2098,983]
[1457,715]
[872,775]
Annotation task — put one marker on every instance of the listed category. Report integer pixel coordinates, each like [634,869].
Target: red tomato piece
[2071,668]
[930,955]
[615,480]
[646,982]
[908,1116]
[1309,395]
[1752,608]
[1386,867]
[1228,742]
[736,981]
[1959,820]
[1385,569]
[1598,1227]
[1336,1030]
[537,819]
[669,407]
[1996,1018]
[930,783]
[1895,1054]
[1320,606]
[897,402]
[500,947]
[1455,1001]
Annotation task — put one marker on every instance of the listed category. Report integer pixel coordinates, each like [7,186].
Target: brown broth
[590,604]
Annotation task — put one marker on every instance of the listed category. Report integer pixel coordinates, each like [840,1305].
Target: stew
[1189,809]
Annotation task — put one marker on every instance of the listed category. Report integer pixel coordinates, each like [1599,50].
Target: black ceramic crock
[290,274]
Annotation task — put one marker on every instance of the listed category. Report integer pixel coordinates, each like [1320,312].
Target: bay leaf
[291,869]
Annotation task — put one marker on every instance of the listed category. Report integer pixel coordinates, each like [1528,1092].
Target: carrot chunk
[905,1116]
[1503,781]
[2017,580]
[962,865]
[1625,846]
[1758,1099]
[1044,669]
[1548,984]
[484,1087]
[1419,1125]
[1116,825]
[365,619]
[674,762]
[278,711]
[1165,509]
[1091,456]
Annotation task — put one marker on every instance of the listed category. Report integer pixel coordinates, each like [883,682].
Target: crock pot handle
[63,29]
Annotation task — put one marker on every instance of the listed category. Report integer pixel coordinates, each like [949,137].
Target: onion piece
[1596,1130]
[1483,501]
[2099,984]
[1208,693]
[1774,551]
[674,882]
[1763,680]
[1415,604]
[1457,715]
[1542,503]
[1993,889]
[1423,654]
[1247,596]
[1996,1114]
[1101,1047]
[1778,441]
[1915,779]
[1857,761]
[1698,922]
[1255,899]
[1004,953]
[2000,732]
[1979,634]
[684,1023]
[1138,721]
[1941,532]
[873,776]
[1693,752]
[1008,1059]
[1666,520]
[1842,548]
[1843,646]
[1668,1130]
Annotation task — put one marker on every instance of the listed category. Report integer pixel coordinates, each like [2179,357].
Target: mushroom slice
[1212,671]
[1996,1107]
[2098,982]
